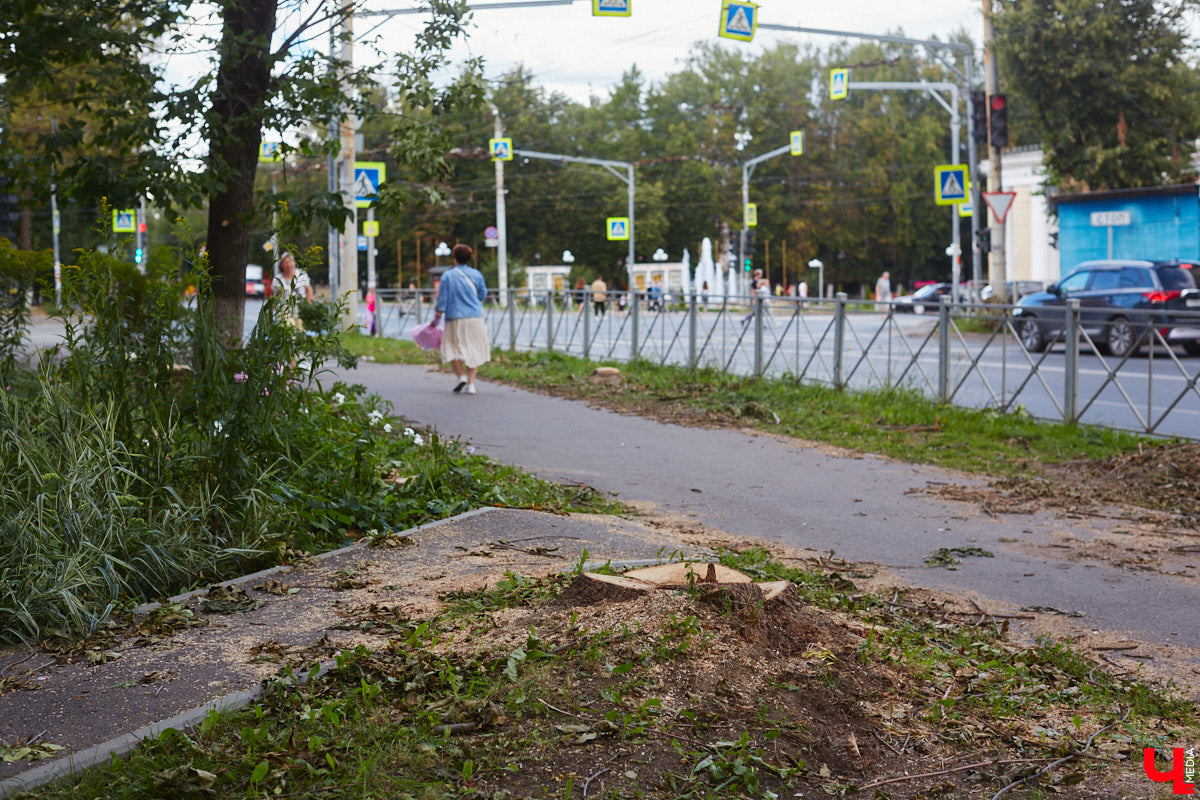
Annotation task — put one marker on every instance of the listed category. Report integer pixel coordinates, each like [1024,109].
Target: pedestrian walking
[883,292]
[599,296]
[460,298]
[372,319]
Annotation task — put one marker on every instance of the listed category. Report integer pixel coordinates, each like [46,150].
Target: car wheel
[1119,337]
[1192,348]
[918,309]
[1030,332]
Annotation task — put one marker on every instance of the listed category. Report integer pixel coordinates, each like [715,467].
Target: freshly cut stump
[592,588]
[675,575]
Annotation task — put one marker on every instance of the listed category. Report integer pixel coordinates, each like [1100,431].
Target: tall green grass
[143,457]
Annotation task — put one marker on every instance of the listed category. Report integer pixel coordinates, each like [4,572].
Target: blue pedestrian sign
[368,177]
[738,20]
[797,143]
[501,149]
[618,229]
[125,220]
[269,152]
[611,8]
[839,83]
[950,184]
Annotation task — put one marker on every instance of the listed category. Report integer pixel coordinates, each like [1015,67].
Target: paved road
[793,493]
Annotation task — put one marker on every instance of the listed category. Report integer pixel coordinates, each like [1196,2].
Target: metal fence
[860,345]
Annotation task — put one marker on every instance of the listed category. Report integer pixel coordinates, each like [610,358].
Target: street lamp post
[820,268]
[568,258]
[442,250]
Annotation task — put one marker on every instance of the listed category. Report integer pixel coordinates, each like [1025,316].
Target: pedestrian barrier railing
[845,343]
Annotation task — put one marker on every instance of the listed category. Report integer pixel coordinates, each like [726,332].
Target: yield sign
[999,203]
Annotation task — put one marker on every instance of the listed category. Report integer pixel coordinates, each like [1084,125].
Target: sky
[570,51]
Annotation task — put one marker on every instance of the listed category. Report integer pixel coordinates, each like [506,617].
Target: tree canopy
[1107,87]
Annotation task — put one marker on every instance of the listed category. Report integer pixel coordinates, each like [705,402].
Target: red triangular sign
[999,203]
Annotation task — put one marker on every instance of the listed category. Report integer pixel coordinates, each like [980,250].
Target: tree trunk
[235,131]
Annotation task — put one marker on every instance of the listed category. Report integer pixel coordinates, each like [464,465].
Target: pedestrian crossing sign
[797,143]
[125,220]
[950,184]
[501,149]
[371,228]
[839,83]
[751,216]
[368,176]
[618,229]
[738,20]
[269,152]
[611,8]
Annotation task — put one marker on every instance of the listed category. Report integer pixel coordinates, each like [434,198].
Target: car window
[1105,279]
[1076,281]
[1135,278]
[1176,278]
[926,291]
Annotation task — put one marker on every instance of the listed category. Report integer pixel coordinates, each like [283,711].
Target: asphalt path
[756,485]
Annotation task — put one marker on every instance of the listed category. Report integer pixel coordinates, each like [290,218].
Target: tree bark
[242,87]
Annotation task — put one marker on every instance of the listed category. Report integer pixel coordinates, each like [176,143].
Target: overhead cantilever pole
[611,166]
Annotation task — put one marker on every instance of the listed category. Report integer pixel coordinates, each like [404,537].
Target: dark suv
[1117,300]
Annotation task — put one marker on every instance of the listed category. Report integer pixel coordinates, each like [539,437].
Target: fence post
[633,323]
[943,349]
[692,331]
[1071,364]
[839,337]
[758,336]
[513,320]
[585,308]
[550,321]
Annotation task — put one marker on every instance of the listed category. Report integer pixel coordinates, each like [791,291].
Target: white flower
[303,410]
[387,427]
[470,448]
[217,425]
[374,417]
[418,441]
[409,432]
[339,398]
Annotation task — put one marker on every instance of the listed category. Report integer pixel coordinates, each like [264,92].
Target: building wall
[1029,226]
[1162,226]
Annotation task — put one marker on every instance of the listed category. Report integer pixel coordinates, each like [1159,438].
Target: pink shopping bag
[427,336]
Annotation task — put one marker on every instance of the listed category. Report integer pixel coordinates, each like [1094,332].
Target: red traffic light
[141,227]
[998,102]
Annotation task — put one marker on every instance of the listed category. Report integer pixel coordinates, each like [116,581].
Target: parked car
[1118,300]
[255,287]
[923,299]
[1016,290]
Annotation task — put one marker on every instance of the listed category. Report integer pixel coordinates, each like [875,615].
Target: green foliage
[1111,95]
[142,458]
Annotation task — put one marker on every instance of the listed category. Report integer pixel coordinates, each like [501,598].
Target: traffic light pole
[997,268]
[611,166]
[747,171]
[967,78]
[952,107]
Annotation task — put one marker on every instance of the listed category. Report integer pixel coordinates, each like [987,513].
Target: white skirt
[466,340]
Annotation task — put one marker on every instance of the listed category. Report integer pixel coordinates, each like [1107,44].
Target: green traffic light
[747,265]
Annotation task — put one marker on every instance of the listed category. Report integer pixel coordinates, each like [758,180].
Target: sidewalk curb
[122,745]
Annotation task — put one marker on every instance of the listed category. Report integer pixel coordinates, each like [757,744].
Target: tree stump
[592,588]
[675,575]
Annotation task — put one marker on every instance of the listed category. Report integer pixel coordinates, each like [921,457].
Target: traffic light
[748,255]
[137,256]
[979,116]
[999,120]
[983,238]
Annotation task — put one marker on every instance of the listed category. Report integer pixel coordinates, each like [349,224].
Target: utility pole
[501,217]
[348,268]
[333,246]
[997,272]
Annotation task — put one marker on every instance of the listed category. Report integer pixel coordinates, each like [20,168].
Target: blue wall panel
[1163,226]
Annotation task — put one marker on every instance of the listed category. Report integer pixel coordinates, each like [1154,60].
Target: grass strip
[484,700]
[899,423]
